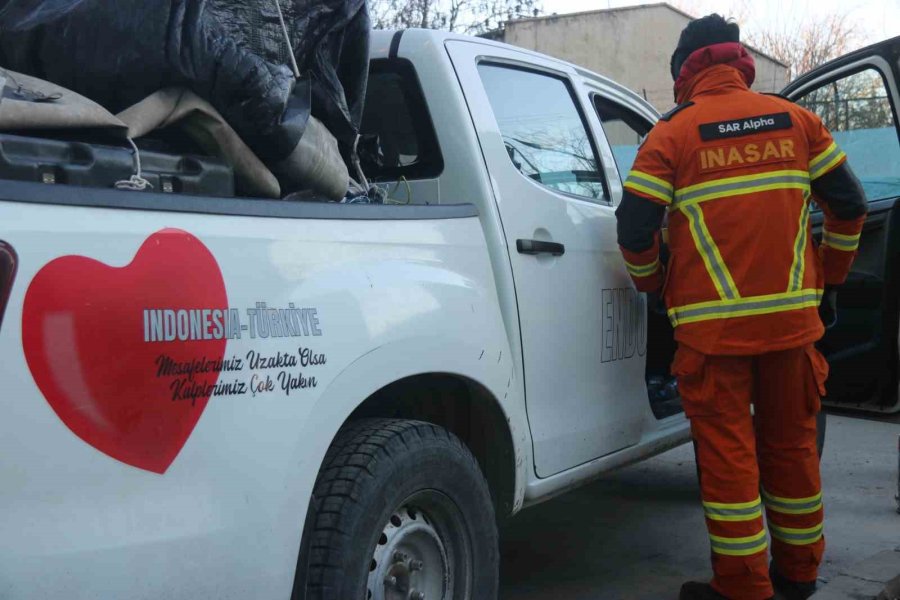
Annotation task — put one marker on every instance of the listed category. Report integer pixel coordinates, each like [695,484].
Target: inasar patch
[733,156]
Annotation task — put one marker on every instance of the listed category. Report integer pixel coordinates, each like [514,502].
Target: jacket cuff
[840,243]
[645,268]
[836,264]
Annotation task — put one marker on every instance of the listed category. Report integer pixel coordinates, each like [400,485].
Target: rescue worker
[737,172]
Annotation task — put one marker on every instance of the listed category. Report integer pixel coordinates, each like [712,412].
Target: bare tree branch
[802,41]
[464,16]
[816,41]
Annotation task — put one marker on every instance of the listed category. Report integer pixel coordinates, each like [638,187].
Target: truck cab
[551,184]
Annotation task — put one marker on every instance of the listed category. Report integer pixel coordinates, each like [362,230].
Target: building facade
[630,45]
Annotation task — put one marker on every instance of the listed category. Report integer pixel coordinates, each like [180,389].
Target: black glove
[657,304]
[828,307]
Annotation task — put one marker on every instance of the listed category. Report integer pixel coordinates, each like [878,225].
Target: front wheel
[401,511]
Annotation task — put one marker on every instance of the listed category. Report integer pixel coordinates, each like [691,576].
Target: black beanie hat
[699,33]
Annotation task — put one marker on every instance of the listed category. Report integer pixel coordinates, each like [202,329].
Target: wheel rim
[410,561]
[423,552]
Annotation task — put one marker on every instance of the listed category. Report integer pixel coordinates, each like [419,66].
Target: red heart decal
[83,336]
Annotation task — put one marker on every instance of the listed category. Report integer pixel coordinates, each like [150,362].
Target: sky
[875,20]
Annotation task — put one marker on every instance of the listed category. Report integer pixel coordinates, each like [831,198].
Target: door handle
[540,247]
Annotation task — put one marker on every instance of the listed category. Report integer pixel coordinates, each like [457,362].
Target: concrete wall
[630,45]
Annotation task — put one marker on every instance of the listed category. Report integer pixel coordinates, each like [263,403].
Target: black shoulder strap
[777,95]
[668,116]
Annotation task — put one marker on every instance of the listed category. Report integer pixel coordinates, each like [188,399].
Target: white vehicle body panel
[575,386]
[225,519]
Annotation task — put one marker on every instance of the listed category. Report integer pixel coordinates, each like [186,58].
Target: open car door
[857,98]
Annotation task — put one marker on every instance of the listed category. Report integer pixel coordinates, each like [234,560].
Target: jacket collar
[714,68]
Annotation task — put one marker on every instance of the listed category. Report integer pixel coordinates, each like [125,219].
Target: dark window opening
[397,114]
[625,130]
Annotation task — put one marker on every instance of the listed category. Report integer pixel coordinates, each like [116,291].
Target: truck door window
[625,130]
[395,111]
[543,130]
[857,110]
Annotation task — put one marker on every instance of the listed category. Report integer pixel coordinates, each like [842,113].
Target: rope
[287,40]
[25,93]
[136,182]
[354,157]
[403,180]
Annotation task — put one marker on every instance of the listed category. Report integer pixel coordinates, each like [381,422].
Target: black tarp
[230,52]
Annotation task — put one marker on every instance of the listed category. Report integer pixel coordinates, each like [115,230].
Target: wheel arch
[468,410]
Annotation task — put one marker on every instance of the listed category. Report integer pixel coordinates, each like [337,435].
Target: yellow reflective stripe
[647,190]
[797,537]
[743,511]
[739,179]
[823,155]
[757,514]
[648,184]
[741,546]
[709,252]
[744,307]
[843,237]
[738,505]
[740,185]
[825,161]
[641,188]
[839,241]
[642,270]
[785,500]
[794,511]
[826,168]
[798,267]
[739,540]
[793,506]
[761,547]
[635,174]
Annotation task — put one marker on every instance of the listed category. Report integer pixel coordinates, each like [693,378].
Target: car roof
[382,41]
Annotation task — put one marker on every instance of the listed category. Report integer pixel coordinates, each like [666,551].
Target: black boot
[791,590]
[694,590]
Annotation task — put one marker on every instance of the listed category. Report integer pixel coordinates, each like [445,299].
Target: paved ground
[639,533]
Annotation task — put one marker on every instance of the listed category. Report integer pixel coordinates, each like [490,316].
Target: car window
[543,130]
[857,110]
[625,130]
[396,116]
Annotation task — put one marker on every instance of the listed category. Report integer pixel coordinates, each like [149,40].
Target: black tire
[821,425]
[400,478]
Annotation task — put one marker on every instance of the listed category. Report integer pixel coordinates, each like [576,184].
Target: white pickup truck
[209,397]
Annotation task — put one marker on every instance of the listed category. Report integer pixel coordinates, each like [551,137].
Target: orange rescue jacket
[734,170]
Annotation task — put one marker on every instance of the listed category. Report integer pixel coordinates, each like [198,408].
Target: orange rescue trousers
[750,460]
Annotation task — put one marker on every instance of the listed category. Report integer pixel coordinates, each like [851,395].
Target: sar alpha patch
[745,126]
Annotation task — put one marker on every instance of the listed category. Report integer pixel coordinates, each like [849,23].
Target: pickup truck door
[582,324]
[857,98]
